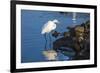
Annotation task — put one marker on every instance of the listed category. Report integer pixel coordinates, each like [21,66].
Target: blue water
[32,41]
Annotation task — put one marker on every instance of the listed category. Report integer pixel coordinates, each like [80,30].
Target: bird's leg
[45,42]
[50,44]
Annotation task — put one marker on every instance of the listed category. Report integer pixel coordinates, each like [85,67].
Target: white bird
[49,26]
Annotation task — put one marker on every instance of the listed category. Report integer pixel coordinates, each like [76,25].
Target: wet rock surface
[75,42]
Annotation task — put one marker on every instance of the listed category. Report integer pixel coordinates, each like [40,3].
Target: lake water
[32,41]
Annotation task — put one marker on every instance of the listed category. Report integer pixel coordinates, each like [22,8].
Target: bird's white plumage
[49,26]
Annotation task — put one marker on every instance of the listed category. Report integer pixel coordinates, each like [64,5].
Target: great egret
[49,27]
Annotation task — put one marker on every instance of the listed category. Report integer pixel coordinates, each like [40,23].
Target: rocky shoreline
[76,39]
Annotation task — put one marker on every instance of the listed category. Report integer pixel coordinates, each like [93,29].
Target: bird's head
[55,21]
